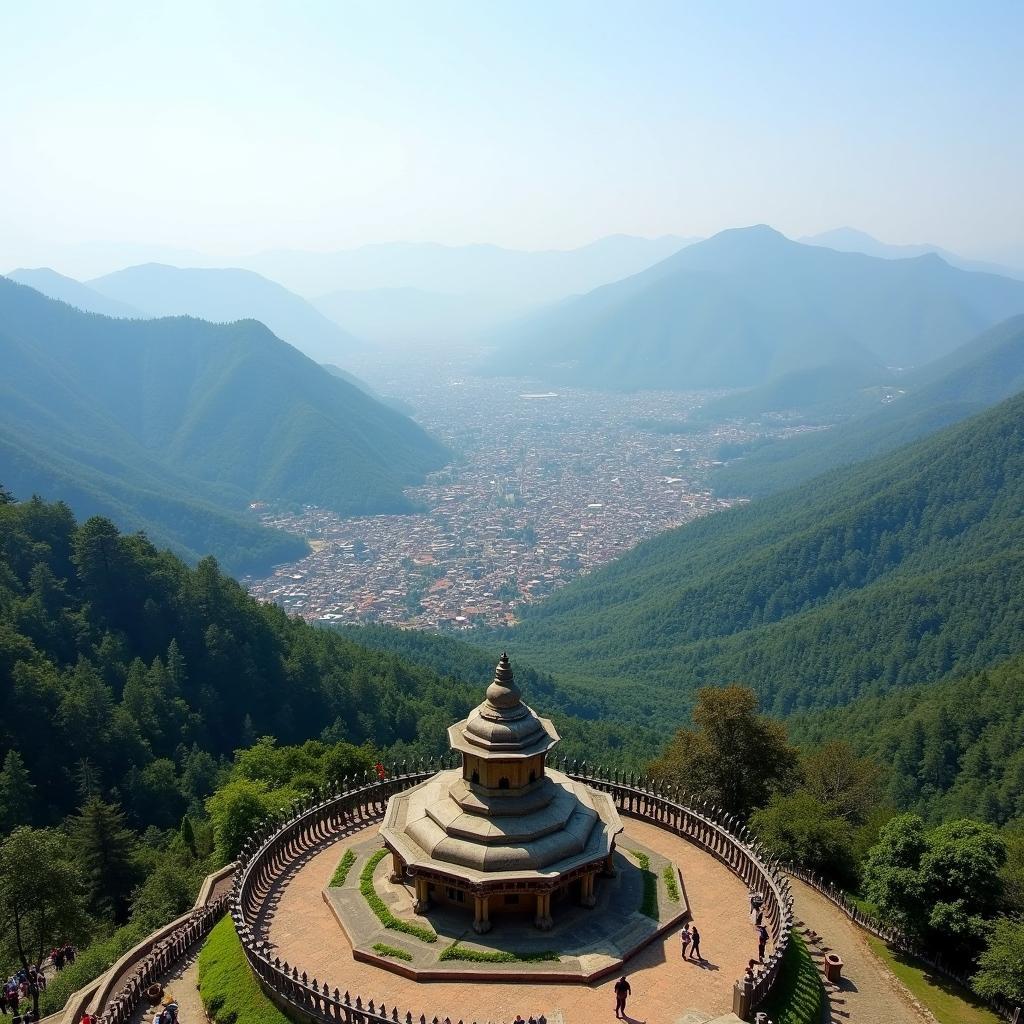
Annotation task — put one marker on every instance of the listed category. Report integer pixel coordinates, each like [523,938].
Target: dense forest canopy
[894,572]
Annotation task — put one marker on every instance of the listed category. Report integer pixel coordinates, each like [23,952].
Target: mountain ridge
[179,409]
[749,305]
[226,295]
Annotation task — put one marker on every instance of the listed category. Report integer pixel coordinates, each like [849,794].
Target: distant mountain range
[749,306]
[852,240]
[73,292]
[532,277]
[223,296]
[897,571]
[974,377]
[175,425]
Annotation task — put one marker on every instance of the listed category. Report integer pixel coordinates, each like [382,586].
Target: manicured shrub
[379,907]
[341,871]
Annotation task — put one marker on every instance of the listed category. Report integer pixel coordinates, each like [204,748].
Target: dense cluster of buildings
[543,487]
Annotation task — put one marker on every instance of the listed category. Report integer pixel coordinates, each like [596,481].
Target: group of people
[689,938]
[23,984]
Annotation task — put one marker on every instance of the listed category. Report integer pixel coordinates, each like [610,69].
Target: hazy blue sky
[233,127]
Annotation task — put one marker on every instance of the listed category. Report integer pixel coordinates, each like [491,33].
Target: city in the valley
[544,486]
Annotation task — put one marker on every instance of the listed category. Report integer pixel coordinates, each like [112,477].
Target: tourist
[519,1019]
[695,943]
[622,990]
[762,941]
[684,939]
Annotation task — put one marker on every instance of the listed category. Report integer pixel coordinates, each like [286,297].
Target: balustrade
[360,801]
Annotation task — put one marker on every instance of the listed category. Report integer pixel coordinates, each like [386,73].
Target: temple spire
[503,692]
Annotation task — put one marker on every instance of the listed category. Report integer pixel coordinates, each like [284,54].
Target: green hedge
[671,885]
[229,990]
[393,951]
[341,871]
[649,902]
[798,996]
[481,956]
[379,907]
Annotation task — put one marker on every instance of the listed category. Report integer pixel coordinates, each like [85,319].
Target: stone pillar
[587,896]
[397,868]
[742,998]
[422,895]
[543,918]
[481,917]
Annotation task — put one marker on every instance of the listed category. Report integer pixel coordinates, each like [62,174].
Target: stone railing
[122,1004]
[94,996]
[897,938]
[359,802]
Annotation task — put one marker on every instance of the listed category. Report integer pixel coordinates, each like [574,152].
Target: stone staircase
[816,946]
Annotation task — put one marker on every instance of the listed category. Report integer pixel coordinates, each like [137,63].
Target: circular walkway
[302,929]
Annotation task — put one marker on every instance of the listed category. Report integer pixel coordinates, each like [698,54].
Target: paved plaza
[303,930]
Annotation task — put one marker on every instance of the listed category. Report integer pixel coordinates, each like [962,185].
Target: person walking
[762,941]
[684,939]
[695,942]
[622,990]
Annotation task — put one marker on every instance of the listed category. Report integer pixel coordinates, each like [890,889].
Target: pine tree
[16,793]
[105,851]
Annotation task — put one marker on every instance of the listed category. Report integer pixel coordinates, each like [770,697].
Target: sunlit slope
[895,571]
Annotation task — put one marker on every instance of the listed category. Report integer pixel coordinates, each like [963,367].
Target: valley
[545,486]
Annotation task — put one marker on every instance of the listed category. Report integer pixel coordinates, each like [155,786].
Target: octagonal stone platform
[591,942]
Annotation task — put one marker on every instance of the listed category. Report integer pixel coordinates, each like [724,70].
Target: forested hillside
[976,376]
[121,663]
[952,749]
[749,306]
[891,573]
[176,425]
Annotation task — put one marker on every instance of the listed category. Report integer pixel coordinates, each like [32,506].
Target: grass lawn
[950,1003]
[798,996]
[227,985]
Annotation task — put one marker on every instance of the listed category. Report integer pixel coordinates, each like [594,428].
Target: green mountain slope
[748,306]
[225,295]
[121,664]
[896,571]
[952,750]
[176,425]
[974,377]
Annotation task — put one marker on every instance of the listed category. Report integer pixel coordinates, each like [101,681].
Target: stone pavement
[589,941]
[182,982]
[304,931]
[869,993]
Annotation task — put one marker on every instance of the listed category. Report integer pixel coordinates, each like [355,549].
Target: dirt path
[870,993]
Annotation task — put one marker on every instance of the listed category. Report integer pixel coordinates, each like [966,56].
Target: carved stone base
[481,927]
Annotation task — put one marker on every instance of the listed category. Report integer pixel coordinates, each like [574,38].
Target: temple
[505,833]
